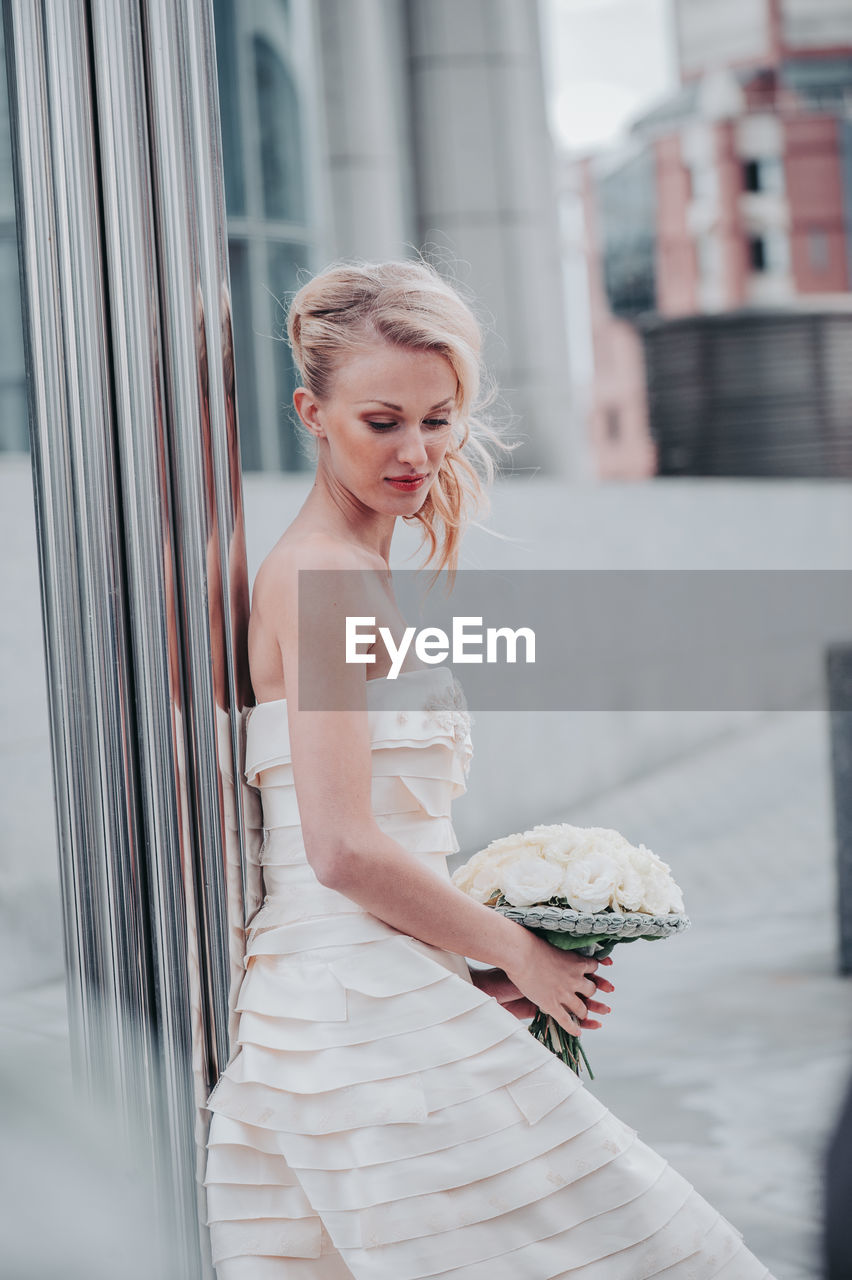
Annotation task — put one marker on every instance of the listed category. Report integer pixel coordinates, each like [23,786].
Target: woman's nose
[412,448]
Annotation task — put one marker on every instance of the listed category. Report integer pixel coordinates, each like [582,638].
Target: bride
[385,1113]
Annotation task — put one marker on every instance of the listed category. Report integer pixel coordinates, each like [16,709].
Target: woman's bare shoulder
[313,550]
[291,618]
[276,581]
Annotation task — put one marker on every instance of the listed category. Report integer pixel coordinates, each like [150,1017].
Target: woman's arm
[332,771]
[381,876]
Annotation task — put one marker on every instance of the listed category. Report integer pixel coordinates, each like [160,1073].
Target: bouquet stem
[547,1030]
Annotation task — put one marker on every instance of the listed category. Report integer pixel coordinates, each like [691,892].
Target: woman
[384,1115]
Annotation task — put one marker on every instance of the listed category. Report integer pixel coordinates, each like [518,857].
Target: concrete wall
[527,767]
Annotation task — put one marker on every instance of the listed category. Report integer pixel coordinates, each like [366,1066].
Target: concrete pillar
[486,193]
[363,48]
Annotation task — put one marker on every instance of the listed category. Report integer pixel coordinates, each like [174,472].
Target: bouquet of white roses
[583,889]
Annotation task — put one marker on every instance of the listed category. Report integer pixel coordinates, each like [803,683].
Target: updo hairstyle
[407,303]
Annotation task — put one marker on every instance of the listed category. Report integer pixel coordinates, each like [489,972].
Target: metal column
[135,451]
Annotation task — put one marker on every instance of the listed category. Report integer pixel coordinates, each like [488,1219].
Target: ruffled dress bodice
[420,762]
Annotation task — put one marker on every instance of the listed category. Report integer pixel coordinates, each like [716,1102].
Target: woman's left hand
[497,983]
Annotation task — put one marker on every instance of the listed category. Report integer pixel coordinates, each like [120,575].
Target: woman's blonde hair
[409,304]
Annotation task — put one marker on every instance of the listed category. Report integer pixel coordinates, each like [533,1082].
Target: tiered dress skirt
[382,1118]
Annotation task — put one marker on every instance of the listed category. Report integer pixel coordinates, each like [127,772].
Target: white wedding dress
[381,1117]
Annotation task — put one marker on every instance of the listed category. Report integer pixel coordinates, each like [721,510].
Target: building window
[757,253]
[768,251]
[626,200]
[817,241]
[262,68]
[281,151]
[763,174]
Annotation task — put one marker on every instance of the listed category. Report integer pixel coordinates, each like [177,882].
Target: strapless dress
[382,1118]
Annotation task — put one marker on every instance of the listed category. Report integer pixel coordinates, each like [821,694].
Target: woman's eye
[435,423]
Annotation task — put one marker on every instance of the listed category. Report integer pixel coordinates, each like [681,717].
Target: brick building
[732,197]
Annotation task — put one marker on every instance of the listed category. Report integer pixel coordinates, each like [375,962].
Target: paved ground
[728,1047]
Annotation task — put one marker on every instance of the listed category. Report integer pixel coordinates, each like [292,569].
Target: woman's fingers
[595,1006]
[603,984]
[598,1008]
[576,1006]
[568,1022]
[591,1024]
[579,1011]
[576,1024]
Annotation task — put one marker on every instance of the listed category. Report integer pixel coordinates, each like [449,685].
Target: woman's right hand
[561,983]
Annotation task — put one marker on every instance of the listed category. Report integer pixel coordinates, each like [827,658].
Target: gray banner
[554,640]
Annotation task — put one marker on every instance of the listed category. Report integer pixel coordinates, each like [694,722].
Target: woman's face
[386,425]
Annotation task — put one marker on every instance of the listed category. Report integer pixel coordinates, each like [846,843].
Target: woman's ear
[308,411]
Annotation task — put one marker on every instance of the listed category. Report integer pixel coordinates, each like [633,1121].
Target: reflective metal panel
[80,546]
[135,453]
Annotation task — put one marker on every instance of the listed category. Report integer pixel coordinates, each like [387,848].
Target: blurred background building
[718,239]
[714,238]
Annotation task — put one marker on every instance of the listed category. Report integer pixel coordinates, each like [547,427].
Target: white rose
[676,899]
[560,852]
[482,875]
[597,868]
[463,875]
[467,873]
[509,857]
[530,881]
[479,876]
[484,884]
[661,895]
[547,830]
[518,840]
[640,862]
[602,841]
[589,882]
[629,888]
[647,862]
[560,843]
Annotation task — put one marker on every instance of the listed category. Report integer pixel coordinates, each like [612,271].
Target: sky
[607,60]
